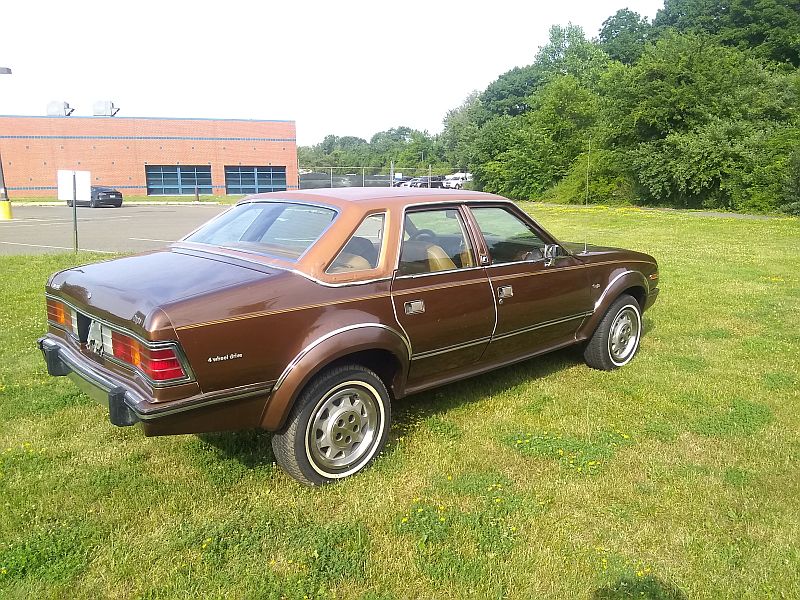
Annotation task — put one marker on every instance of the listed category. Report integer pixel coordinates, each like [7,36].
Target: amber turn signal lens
[56,312]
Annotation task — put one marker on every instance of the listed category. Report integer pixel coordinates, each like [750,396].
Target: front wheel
[338,425]
[616,339]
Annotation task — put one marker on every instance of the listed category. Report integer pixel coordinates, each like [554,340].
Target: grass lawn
[674,477]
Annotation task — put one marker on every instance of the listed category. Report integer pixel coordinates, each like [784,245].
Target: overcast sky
[348,68]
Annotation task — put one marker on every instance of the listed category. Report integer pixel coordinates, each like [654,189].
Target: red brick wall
[116,149]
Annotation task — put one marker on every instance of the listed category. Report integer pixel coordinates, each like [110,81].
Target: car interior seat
[419,256]
[361,246]
[347,262]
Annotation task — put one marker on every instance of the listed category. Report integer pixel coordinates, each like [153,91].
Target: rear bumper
[97,385]
[225,410]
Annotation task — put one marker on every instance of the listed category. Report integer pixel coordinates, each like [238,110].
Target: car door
[540,303]
[441,296]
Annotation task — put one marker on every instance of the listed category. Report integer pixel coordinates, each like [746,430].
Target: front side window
[434,240]
[362,251]
[508,237]
[281,229]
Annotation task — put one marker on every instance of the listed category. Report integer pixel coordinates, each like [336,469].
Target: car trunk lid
[127,290]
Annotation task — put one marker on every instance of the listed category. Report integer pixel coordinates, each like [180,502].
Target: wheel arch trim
[618,284]
[320,353]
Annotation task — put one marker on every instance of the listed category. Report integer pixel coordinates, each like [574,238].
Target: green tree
[771,28]
[623,36]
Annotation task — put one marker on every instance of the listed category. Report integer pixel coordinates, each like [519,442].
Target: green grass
[674,477]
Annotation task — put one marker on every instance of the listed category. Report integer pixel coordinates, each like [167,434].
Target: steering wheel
[424,233]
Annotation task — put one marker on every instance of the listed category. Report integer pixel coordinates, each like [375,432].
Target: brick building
[149,156]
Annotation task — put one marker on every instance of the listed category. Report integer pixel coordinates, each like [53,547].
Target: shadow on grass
[252,448]
[409,411]
[647,588]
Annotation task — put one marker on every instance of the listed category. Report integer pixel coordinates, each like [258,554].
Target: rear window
[281,229]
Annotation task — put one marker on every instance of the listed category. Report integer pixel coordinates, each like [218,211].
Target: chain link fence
[312,177]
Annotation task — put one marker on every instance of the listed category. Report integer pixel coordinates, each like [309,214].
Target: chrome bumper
[96,385]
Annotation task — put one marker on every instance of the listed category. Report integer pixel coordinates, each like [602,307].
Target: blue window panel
[177,180]
[254,180]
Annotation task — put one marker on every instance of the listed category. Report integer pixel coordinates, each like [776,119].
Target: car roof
[369,198]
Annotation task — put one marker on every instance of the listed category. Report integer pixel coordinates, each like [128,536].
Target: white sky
[345,67]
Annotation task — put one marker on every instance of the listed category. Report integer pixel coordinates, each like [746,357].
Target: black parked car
[437,181]
[101,196]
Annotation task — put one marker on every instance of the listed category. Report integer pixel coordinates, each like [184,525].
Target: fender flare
[621,282]
[323,351]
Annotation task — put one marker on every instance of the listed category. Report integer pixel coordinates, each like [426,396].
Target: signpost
[74,186]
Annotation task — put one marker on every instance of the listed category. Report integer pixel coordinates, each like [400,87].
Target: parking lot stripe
[56,247]
[151,240]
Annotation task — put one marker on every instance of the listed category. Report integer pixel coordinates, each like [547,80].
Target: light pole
[5,204]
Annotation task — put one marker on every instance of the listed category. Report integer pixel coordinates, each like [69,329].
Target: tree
[461,132]
[623,36]
[770,28]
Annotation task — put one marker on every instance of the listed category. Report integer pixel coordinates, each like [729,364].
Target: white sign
[83,185]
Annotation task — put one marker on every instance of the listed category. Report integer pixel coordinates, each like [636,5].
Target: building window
[252,180]
[177,180]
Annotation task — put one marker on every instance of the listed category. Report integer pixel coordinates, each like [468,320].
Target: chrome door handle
[414,307]
[505,291]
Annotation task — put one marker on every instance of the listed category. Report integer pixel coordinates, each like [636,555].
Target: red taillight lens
[160,364]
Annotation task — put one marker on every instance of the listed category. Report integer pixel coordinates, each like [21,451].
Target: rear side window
[363,249]
[508,237]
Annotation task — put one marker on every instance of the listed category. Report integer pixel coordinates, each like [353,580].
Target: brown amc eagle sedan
[306,313]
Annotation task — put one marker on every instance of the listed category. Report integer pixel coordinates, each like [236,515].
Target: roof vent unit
[104,108]
[59,109]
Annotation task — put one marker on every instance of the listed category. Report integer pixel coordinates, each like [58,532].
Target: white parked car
[456,181]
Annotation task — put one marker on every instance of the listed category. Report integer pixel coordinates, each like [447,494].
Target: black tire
[94,203]
[364,411]
[69,203]
[616,340]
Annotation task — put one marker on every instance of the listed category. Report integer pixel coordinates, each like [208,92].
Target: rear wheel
[338,425]
[616,339]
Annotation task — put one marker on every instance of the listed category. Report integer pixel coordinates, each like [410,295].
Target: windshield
[281,229]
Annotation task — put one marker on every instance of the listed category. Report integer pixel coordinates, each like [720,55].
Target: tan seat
[438,260]
[419,256]
[345,263]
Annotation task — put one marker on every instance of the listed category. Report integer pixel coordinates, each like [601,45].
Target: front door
[540,305]
[442,298]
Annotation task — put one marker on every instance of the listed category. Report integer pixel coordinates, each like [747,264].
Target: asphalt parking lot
[40,229]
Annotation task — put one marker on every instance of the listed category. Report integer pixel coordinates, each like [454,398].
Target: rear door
[441,297]
[539,305]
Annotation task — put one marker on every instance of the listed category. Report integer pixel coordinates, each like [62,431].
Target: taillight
[159,364]
[60,314]
[162,364]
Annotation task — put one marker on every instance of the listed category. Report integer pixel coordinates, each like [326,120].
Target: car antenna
[586,233]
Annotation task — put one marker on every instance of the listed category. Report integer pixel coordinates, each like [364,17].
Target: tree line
[699,107]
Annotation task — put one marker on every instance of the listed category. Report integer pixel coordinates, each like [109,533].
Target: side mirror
[550,252]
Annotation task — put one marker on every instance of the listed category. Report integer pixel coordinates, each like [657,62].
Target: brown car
[305,313]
